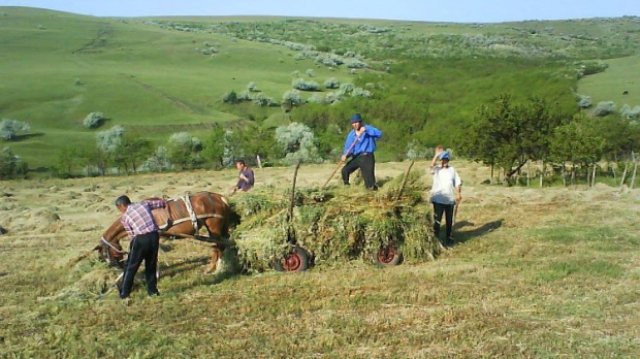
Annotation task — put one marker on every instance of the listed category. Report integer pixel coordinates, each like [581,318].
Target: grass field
[611,84]
[535,273]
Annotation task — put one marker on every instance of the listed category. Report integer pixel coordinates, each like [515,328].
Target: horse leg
[214,227]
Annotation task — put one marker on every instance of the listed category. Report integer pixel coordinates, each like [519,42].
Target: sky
[415,10]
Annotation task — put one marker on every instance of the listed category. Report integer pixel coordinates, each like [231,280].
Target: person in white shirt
[445,192]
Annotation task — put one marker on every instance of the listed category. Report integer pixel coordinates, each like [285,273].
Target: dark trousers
[438,209]
[145,247]
[367,165]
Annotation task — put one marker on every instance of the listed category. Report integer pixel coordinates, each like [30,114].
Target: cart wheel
[389,256]
[296,261]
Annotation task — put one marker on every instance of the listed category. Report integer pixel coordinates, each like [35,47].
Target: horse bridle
[105,243]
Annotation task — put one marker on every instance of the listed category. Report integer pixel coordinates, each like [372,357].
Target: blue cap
[445,155]
[356,118]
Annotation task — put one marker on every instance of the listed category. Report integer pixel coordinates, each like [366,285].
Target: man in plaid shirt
[145,242]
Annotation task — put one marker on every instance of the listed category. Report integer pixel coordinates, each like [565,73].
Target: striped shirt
[137,219]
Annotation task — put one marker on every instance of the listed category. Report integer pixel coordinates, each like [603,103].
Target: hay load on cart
[290,230]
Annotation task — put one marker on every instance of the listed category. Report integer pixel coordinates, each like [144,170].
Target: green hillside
[56,68]
[158,76]
[621,76]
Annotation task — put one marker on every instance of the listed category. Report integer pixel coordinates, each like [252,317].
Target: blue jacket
[366,142]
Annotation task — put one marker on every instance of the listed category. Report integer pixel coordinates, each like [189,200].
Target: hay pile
[89,279]
[340,223]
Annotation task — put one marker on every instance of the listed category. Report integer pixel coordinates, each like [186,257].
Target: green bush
[93,120]
[303,85]
[332,83]
[630,113]
[584,68]
[252,87]
[584,101]
[230,97]
[11,129]
[604,108]
[292,98]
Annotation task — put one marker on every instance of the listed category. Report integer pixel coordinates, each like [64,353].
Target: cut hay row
[338,223]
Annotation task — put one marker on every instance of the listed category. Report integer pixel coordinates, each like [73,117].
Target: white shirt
[445,180]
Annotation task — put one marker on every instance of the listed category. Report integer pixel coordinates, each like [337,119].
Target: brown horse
[182,217]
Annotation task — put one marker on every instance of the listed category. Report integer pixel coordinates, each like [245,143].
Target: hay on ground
[89,279]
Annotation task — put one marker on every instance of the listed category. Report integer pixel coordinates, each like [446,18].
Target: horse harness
[193,217]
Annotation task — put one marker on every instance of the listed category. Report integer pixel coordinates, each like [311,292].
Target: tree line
[507,135]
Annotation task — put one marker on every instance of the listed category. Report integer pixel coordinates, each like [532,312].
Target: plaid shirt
[137,219]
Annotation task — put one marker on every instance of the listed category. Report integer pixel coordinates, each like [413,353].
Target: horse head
[109,248]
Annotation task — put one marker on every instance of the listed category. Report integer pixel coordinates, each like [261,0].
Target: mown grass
[535,274]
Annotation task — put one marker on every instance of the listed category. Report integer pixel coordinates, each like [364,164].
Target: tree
[539,119]
[68,159]
[184,150]
[213,147]
[298,143]
[109,140]
[620,135]
[107,144]
[11,165]
[131,153]
[97,159]
[577,143]
[158,161]
[508,135]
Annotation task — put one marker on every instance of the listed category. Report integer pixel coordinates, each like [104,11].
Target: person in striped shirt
[145,242]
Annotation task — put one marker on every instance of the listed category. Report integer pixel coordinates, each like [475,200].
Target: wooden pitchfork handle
[339,164]
[455,212]
[332,174]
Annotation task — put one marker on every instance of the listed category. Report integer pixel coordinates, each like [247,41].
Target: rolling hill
[163,75]
[57,68]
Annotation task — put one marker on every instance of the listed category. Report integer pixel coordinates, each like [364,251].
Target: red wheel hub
[292,262]
[386,255]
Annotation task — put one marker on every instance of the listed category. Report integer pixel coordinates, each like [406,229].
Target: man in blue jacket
[360,146]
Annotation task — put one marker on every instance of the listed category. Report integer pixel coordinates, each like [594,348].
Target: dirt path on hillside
[183,105]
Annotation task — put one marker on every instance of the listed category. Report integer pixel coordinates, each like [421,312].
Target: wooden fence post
[635,169]
[624,175]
